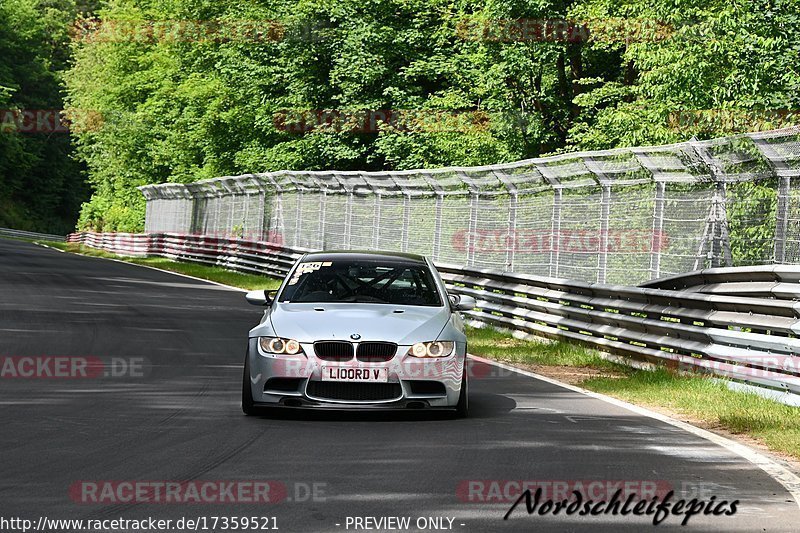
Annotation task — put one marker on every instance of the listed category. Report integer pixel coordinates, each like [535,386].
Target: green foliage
[751,221]
[182,109]
[40,185]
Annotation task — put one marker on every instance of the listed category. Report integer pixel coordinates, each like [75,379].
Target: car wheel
[248,406]
[462,407]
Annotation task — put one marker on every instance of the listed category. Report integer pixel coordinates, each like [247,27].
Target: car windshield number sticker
[305,268]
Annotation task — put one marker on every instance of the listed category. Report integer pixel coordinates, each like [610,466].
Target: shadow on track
[482,405]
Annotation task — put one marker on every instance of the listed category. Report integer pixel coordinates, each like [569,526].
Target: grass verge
[697,399]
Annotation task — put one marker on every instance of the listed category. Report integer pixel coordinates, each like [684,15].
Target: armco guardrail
[752,339]
[19,234]
[234,254]
[778,281]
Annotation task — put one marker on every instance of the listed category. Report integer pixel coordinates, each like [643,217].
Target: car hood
[373,322]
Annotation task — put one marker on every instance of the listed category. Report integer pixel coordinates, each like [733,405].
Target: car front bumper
[296,381]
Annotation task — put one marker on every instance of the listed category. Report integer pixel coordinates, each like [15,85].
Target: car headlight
[279,346]
[432,349]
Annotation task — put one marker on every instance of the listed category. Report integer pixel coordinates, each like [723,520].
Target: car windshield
[399,283]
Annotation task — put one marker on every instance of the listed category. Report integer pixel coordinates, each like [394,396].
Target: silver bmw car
[356,330]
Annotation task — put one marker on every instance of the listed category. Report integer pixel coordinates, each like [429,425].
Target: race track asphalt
[176,417]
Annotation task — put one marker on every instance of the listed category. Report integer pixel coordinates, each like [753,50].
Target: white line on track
[775,470]
[238,289]
[47,246]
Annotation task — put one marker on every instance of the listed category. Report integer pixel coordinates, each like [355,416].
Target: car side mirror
[260,297]
[462,302]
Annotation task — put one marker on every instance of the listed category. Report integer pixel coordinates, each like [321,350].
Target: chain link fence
[619,216]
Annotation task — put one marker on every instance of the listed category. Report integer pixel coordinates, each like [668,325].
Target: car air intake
[283,384]
[334,350]
[427,388]
[353,392]
[370,352]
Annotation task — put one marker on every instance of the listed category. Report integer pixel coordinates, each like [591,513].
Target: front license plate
[340,373]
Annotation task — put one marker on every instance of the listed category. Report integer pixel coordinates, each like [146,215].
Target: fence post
[376,226]
[555,232]
[473,227]
[217,213]
[724,237]
[657,238]
[262,212]
[406,221]
[605,211]
[322,211]
[148,215]
[784,173]
[511,236]
[782,219]
[513,203]
[231,205]
[348,219]
[246,217]
[298,218]
[717,224]
[280,227]
[437,226]
[194,212]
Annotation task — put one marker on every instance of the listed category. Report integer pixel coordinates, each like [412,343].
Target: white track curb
[775,470]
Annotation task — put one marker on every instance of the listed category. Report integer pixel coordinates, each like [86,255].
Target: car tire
[248,405]
[462,407]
